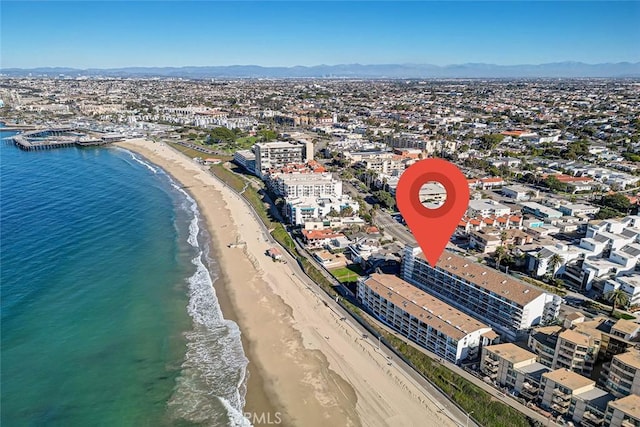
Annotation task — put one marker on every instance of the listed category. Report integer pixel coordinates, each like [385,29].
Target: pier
[47,139]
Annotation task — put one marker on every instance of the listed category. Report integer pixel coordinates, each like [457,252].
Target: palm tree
[555,262]
[503,237]
[618,298]
[501,251]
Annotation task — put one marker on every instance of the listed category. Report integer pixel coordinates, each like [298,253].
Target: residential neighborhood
[538,291]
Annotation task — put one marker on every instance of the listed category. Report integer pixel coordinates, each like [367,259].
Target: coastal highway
[446,406]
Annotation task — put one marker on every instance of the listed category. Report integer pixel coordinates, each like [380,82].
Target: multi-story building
[559,386]
[624,412]
[508,305]
[293,185]
[629,284]
[302,209]
[589,408]
[486,207]
[577,209]
[520,192]
[271,155]
[576,351]
[426,320]
[245,159]
[622,375]
[500,362]
[543,341]
[540,211]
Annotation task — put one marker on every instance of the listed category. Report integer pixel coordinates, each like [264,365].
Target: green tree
[606,213]
[268,135]
[491,141]
[385,198]
[499,254]
[555,262]
[617,298]
[346,211]
[221,135]
[554,184]
[618,202]
[333,213]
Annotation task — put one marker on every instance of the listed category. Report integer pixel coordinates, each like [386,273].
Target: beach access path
[314,364]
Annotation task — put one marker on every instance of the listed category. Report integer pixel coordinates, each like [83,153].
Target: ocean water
[108,313]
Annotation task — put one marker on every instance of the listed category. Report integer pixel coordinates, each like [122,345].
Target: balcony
[592,419]
[492,362]
[492,369]
[558,393]
[564,403]
[628,423]
[559,409]
[529,391]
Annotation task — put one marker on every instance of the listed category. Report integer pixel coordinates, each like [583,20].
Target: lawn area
[189,152]
[347,274]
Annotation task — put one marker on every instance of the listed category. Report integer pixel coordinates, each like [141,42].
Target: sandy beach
[307,366]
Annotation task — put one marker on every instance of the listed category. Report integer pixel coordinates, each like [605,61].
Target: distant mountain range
[391,71]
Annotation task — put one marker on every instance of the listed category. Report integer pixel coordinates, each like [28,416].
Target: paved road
[384,220]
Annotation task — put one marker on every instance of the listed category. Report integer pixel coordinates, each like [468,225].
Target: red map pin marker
[432,228]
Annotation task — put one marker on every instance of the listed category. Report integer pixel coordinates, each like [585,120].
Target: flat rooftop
[626,326]
[430,310]
[534,370]
[575,337]
[630,405]
[596,397]
[629,358]
[511,352]
[568,379]
[498,283]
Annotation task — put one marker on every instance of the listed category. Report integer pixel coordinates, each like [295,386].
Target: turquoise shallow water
[108,313]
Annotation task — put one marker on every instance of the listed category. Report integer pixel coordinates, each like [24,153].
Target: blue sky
[161,33]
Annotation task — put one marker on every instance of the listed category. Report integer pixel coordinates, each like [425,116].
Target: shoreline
[306,365]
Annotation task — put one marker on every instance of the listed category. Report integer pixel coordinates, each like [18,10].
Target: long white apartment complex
[508,305]
[299,184]
[433,324]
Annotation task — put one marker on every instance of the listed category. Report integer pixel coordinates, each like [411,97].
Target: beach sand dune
[307,366]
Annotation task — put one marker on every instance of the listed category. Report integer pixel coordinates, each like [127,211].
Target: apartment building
[298,184]
[624,412]
[543,341]
[629,284]
[622,375]
[577,209]
[502,364]
[520,192]
[558,387]
[271,155]
[426,320]
[246,159]
[576,351]
[299,210]
[589,408]
[540,211]
[486,207]
[508,305]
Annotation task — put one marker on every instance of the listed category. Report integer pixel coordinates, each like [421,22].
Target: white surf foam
[213,377]
[142,162]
